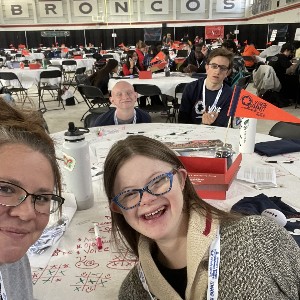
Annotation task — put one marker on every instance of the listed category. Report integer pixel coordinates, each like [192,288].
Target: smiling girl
[186,248]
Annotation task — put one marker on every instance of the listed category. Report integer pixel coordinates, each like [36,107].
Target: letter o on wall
[195,5]
[85,8]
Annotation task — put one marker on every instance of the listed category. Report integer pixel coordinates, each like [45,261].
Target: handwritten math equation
[82,267]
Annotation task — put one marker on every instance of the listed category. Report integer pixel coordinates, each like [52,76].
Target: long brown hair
[27,127]
[124,235]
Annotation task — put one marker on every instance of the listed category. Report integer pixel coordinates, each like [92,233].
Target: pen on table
[135,132]
[280,161]
[97,236]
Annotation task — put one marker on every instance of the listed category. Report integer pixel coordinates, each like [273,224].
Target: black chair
[19,56]
[18,89]
[149,90]
[90,119]
[286,130]
[94,99]
[82,79]
[107,56]
[78,72]
[178,90]
[54,89]
[68,71]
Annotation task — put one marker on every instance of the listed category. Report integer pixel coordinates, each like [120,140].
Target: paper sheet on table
[257,174]
[293,168]
[68,210]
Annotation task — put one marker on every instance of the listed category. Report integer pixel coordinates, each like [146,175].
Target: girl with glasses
[30,190]
[187,249]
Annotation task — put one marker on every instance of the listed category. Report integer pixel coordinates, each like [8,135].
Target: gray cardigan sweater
[17,279]
[259,261]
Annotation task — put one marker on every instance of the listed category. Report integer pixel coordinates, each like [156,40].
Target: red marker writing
[97,236]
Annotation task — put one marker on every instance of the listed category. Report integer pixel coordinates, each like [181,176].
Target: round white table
[28,77]
[84,62]
[82,271]
[166,84]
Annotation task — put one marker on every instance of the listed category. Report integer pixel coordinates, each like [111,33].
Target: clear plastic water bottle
[77,168]
[167,70]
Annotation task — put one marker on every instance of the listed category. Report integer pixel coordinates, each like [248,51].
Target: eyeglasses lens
[13,195]
[158,186]
[216,66]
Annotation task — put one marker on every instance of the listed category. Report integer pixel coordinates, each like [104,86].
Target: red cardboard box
[145,75]
[34,66]
[210,176]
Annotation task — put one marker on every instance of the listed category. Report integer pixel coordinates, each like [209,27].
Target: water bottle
[44,63]
[77,168]
[167,70]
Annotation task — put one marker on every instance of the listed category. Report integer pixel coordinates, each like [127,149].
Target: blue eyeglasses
[158,186]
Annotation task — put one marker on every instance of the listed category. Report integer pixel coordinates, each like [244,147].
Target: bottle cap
[75,133]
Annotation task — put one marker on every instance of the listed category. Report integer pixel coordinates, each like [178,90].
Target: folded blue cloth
[256,205]
[277,147]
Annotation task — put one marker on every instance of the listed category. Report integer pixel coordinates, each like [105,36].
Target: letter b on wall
[16,10]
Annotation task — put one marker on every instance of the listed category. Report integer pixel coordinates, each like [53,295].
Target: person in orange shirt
[250,50]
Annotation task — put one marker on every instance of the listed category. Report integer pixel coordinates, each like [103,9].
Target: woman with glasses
[206,101]
[30,190]
[187,249]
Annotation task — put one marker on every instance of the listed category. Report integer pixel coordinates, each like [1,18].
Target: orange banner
[251,106]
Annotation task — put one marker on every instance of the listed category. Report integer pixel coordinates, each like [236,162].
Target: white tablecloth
[166,84]
[82,271]
[27,77]
[84,62]
[34,56]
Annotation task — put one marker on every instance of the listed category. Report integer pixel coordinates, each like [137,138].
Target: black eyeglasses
[12,195]
[221,67]
[158,186]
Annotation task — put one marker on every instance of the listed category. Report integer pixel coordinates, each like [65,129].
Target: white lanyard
[143,280]
[116,119]
[213,270]
[213,107]
[2,289]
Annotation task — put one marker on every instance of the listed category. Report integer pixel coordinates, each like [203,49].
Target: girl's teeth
[153,213]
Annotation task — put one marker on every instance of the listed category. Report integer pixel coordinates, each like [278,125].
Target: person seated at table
[206,101]
[162,59]
[168,41]
[140,49]
[30,190]
[101,77]
[285,70]
[272,50]
[251,51]
[296,45]
[124,98]
[131,67]
[195,62]
[238,67]
[183,243]
[152,52]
